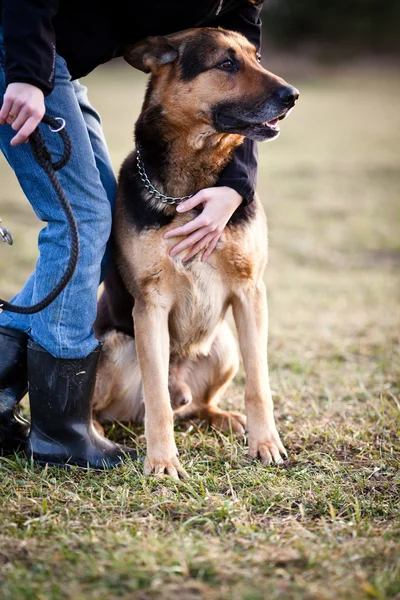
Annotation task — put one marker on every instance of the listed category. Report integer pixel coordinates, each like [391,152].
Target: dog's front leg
[152,344]
[251,317]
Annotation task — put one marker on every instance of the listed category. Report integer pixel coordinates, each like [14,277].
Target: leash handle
[40,151]
[43,157]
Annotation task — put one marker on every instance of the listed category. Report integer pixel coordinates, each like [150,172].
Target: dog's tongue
[273,122]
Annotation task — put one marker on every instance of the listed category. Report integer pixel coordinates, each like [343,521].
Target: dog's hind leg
[118,393]
[251,318]
[208,377]
[152,344]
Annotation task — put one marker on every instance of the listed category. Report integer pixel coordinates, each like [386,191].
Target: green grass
[327,525]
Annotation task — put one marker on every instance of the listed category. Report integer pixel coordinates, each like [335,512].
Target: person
[45,46]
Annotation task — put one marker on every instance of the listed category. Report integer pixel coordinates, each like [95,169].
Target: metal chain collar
[150,187]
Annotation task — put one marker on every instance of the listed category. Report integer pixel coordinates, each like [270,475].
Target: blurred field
[327,525]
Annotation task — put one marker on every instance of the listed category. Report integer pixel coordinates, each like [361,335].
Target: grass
[327,525]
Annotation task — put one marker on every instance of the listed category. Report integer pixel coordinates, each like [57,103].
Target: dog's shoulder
[243,215]
[138,211]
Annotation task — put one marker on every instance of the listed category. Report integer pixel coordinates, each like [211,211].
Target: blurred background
[330,186]
[335,31]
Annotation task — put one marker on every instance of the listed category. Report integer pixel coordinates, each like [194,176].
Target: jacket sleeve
[241,172]
[29,41]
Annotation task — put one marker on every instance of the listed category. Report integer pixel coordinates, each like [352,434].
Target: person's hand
[204,231]
[23,109]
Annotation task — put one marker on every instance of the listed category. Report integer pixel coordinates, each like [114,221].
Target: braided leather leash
[43,158]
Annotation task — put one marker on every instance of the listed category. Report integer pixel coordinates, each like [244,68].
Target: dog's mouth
[273,124]
[260,131]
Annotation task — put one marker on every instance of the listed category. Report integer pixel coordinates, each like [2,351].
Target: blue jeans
[65,328]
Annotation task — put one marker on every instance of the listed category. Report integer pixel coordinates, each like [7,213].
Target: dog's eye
[228,65]
[258,57]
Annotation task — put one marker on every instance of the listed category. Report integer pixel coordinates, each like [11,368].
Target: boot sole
[81,466]
[70,466]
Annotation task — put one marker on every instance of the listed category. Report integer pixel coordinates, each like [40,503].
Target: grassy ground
[326,526]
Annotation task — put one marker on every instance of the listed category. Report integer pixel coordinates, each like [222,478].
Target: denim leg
[65,328]
[101,154]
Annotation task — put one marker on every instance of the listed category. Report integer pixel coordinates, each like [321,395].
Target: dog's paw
[269,449]
[164,466]
[226,420]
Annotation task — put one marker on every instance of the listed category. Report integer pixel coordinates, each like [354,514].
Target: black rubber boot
[13,387]
[60,396]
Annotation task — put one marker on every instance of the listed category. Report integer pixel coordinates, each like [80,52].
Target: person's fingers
[194,201]
[25,131]
[5,110]
[21,119]
[25,113]
[14,111]
[189,241]
[211,246]
[197,223]
[197,247]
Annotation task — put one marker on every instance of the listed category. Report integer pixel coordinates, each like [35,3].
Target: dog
[206,93]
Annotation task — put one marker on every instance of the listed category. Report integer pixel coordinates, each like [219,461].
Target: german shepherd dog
[207,92]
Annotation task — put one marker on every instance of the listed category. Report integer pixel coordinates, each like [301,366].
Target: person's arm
[30,49]
[241,172]
[244,19]
[29,42]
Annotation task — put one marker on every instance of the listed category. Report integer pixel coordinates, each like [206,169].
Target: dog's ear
[151,53]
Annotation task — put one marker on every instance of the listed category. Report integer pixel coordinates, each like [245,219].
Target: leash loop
[62,121]
[43,157]
[41,152]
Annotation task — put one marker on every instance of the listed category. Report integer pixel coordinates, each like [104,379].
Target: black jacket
[88,33]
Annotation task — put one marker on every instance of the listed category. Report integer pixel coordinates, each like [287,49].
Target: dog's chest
[200,301]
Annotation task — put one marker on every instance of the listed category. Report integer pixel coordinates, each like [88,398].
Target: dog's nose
[288,95]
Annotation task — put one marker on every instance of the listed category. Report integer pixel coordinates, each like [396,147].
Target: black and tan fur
[182,354]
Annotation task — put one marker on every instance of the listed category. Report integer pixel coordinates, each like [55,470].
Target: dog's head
[212,78]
